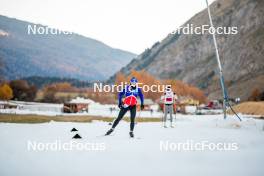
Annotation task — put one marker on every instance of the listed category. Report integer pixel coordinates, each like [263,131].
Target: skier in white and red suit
[130,93]
[169,99]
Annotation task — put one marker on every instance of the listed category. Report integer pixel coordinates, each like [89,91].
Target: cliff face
[191,58]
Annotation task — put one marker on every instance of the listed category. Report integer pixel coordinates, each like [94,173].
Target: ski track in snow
[140,156]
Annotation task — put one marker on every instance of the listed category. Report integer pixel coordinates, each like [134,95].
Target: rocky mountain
[74,56]
[192,58]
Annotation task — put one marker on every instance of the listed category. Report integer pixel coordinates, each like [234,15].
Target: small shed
[77,105]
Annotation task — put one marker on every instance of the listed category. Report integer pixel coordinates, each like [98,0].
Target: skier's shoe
[165,126]
[172,126]
[109,132]
[131,134]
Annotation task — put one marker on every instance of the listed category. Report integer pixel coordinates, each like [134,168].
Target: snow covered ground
[95,109]
[140,156]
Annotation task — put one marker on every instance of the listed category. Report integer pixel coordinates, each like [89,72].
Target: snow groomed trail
[118,155]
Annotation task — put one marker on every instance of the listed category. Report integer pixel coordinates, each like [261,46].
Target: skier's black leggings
[122,112]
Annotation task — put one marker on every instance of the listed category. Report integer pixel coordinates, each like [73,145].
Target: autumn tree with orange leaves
[6,92]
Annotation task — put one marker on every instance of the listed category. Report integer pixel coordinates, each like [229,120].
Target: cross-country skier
[168,99]
[130,103]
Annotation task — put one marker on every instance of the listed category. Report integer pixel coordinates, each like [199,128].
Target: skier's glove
[120,105]
[142,106]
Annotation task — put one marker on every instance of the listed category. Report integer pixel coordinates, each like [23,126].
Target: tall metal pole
[225,96]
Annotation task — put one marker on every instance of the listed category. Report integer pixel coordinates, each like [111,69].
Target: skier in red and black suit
[130,103]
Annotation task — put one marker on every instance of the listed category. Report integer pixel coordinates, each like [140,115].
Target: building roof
[81,100]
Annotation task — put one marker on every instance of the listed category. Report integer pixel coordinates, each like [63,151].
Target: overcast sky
[132,25]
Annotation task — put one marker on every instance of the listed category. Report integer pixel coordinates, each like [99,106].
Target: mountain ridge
[73,55]
[191,58]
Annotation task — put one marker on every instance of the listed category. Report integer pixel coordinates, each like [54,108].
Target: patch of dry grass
[252,108]
[15,118]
